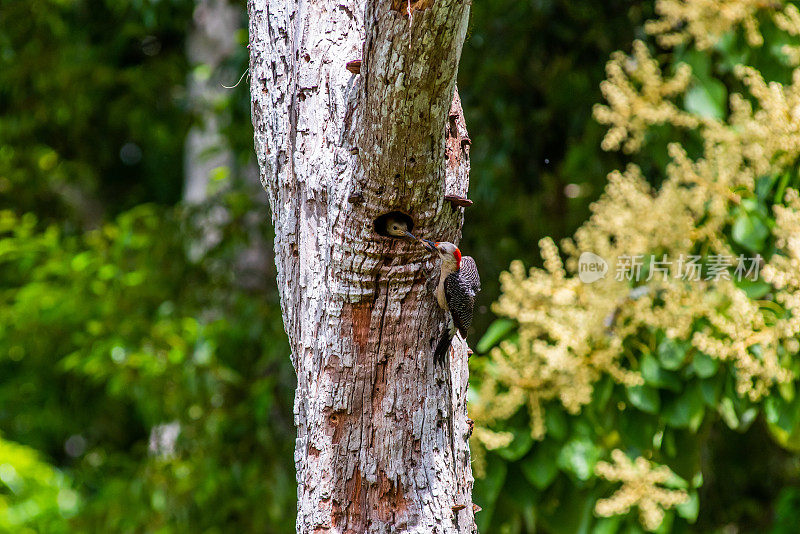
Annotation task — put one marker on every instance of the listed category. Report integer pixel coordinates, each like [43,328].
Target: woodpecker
[398,228]
[458,284]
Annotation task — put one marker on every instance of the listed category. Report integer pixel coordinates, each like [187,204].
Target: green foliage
[528,77]
[114,333]
[111,324]
[121,320]
[732,452]
[119,323]
[34,497]
[91,95]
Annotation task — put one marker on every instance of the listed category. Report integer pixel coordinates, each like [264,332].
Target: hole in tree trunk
[383,221]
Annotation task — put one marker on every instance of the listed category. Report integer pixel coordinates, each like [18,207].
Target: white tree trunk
[382,432]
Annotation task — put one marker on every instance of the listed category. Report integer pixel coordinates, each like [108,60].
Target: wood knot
[407,7]
[457,508]
[354,66]
[466,142]
[338,421]
[356,198]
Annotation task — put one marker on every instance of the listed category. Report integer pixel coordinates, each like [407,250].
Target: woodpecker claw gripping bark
[458,285]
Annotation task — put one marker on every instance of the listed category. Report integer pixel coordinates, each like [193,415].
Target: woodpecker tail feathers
[446,340]
[439,355]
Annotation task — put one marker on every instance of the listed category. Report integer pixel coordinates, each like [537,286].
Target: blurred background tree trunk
[210,42]
[210,164]
[382,432]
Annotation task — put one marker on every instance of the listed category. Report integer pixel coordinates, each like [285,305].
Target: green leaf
[783,414]
[497,331]
[697,60]
[704,365]
[602,392]
[556,422]
[607,525]
[689,509]
[738,413]
[728,413]
[752,205]
[645,398]
[540,468]
[656,376]
[707,99]
[781,189]
[749,231]
[764,185]
[710,389]
[788,439]
[772,409]
[637,428]
[754,289]
[579,456]
[687,410]
[747,417]
[671,354]
[488,488]
[787,390]
[675,482]
[519,447]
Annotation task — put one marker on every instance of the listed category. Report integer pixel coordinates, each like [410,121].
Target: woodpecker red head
[448,252]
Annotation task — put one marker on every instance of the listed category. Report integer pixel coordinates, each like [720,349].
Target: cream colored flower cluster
[552,357]
[705,21]
[789,21]
[571,333]
[637,93]
[638,97]
[642,486]
[768,137]
[783,272]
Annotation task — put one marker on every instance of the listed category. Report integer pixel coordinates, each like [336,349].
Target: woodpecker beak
[430,245]
[412,236]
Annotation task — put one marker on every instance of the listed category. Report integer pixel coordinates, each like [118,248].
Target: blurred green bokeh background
[145,380]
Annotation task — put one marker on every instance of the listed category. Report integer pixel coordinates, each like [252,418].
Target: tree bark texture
[382,431]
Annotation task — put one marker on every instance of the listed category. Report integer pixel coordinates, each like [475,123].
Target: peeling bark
[382,432]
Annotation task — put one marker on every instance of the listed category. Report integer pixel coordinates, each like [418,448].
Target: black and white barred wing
[460,289]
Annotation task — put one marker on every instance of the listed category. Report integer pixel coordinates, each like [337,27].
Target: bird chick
[398,228]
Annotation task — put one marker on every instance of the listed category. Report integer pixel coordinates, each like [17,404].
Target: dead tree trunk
[382,432]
